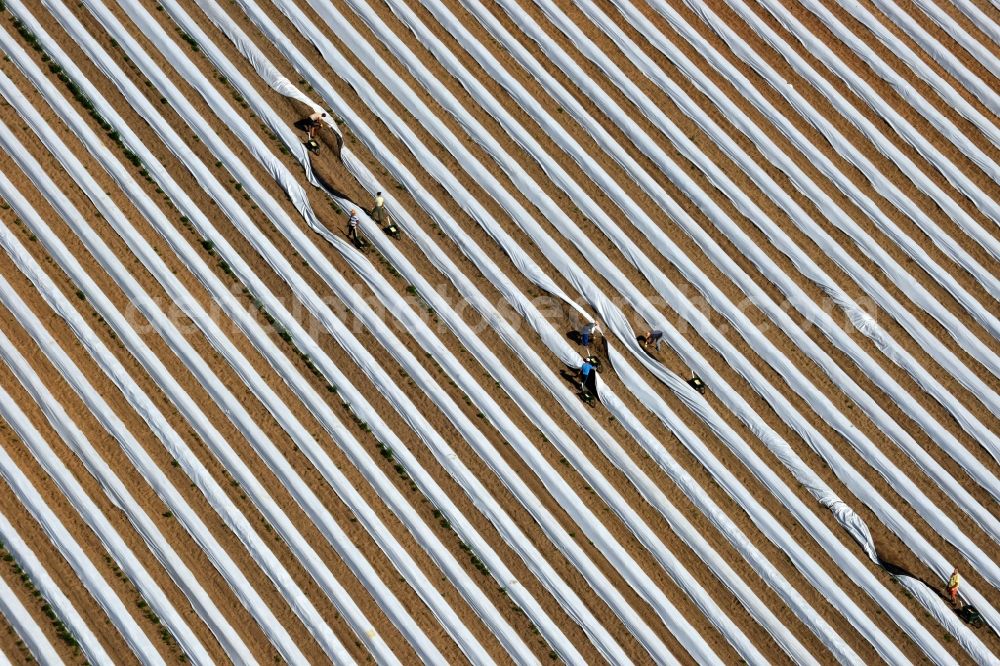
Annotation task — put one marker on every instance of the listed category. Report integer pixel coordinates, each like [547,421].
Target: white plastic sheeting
[178,448]
[401,559]
[364,268]
[358,403]
[733,314]
[492,68]
[100,524]
[450,226]
[797,298]
[818,400]
[951,63]
[527,189]
[945,615]
[866,325]
[345,292]
[886,263]
[309,251]
[597,532]
[20,619]
[515,392]
[362,626]
[309,502]
[522,217]
[579,412]
[51,592]
[843,220]
[893,193]
[977,16]
[901,85]
[953,174]
[583,201]
[954,30]
[57,533]
[556,343]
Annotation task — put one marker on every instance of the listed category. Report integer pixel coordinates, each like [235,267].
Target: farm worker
[952,587]
[588,331]
[378,213]
[585,371]
[352,225]
[314,123]
[652,337]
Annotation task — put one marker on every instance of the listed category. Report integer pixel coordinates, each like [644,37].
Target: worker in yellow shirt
[952,587]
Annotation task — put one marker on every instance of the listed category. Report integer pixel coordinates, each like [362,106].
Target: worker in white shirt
[588,331]
[378,212]
[352,226]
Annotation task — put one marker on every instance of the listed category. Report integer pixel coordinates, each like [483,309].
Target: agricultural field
[294,307]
